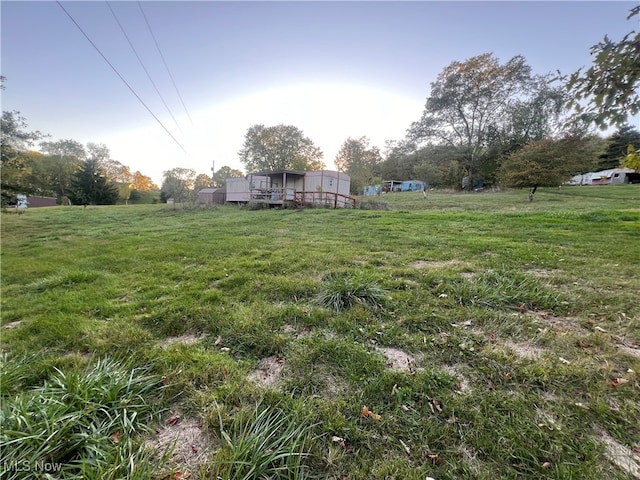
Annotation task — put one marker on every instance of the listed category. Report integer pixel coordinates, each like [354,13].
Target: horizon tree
[469,100]
[90,185]
[281,147]
[360,161]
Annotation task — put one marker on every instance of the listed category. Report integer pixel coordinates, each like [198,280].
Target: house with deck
[323,188]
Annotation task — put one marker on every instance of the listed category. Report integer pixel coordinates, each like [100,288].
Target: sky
[199,74]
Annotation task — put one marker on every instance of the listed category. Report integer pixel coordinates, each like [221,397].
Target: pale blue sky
[333,69]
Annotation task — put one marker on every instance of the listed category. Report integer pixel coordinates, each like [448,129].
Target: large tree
[91,186]
[282,147]
[64,159]
[178,183]
[471,100]
[142,183]
[360,161]
[611,85]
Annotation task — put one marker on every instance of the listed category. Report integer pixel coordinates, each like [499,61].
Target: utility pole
[213,171]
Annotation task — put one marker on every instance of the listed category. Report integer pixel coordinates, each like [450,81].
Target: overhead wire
[121,77]
[142,64]
[165,62]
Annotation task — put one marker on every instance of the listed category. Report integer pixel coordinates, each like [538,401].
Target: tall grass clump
[504,289]
[264,442]
[340,292]
[81,424]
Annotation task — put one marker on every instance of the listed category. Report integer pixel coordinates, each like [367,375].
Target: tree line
[65,169]
[487,122]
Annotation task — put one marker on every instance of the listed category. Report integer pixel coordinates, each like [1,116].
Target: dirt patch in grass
[182,339]
[435,264]
[620,455]
[634,351]
[398,360]
[268,373]
[187,442]
[540,272]
[456,371]
[557,324]
[298,333]
[525,349]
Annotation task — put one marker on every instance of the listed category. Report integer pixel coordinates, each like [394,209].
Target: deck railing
[324,199]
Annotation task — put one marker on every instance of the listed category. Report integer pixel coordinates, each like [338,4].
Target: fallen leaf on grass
[636,450]
[172,420]
[115,437]
[365,412]
[435,458]
[217,342]
[547,465]
[617,382]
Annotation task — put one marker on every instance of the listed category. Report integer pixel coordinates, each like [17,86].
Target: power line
[165,62]
[142,64]
[121,77]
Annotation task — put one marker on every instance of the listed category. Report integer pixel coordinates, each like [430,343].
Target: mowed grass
[460,336]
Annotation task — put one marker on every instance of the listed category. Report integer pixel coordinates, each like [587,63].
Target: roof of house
[279,172]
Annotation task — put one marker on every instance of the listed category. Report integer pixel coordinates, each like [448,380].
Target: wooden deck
[289,197]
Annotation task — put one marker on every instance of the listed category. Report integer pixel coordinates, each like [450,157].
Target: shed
[212,196]
[412,186]
[392,186]
[39,201]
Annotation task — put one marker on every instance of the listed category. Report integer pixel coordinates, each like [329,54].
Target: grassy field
[461,336]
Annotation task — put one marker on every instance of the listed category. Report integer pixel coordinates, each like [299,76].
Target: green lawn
[474,335]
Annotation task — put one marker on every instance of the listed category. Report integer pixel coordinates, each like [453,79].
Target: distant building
[412,186]
[38,201]
[212,196]
[611,176]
